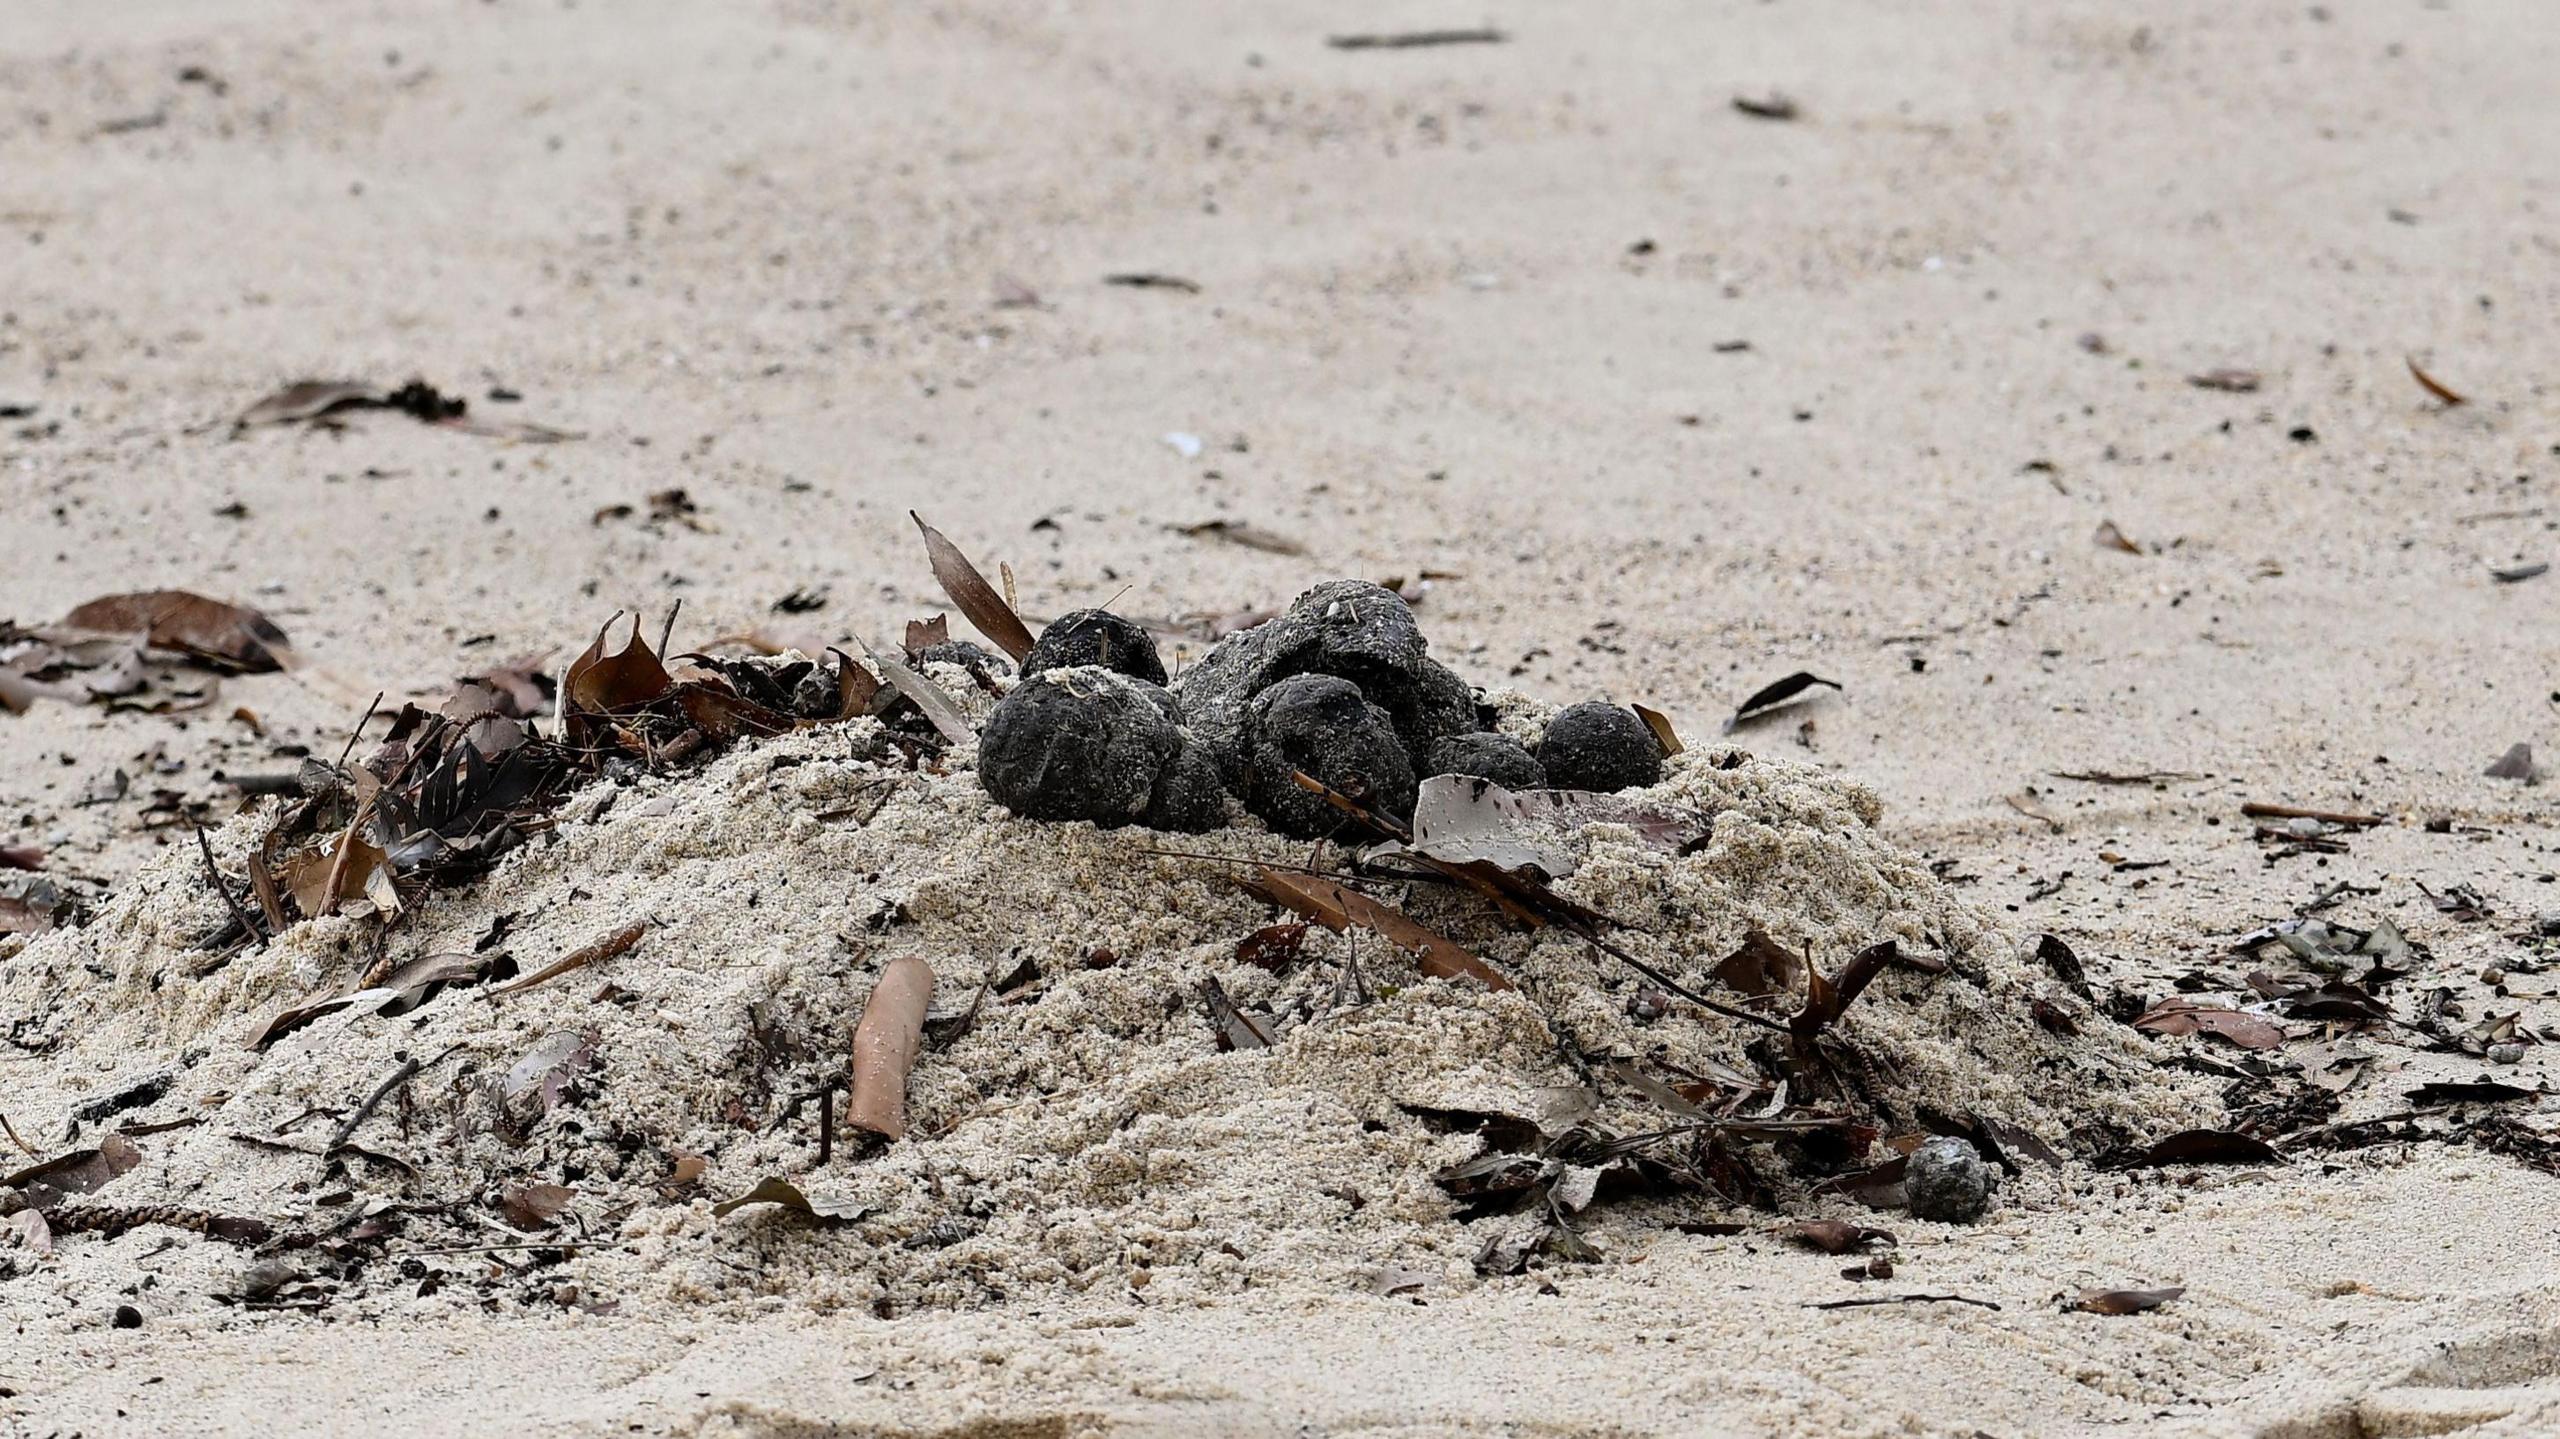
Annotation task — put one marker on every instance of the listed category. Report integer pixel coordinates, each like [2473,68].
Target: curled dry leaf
[2109,537]
[1834,1236]
[533,1206]
[824,1209]
[2197,1146]
[1274,947]
[1236,1027]
[2124,1301]
[2181,1015]
[977,600]
[1660,723]
[928,697]
[223,635]
[1762,966]
[82,1171]
[1770,696]
[309,400]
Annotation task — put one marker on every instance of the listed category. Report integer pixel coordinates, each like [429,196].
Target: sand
[756,253]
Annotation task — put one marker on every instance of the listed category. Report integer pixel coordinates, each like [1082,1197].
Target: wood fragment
[1904,1299]
[884,1047]
[2257,809]
[1417,39]
[230,902]
[608,947]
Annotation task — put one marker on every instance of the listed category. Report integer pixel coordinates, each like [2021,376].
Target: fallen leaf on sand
[534,1206]
[1762,966]
[1236,1027]
[2236,382]
[1338,908]
[1771,696]
[824,1209]
[2124,1301]
[1834,1236]
[224,635]
[1236,532]
[2185,1016]
[82,1171]
[2197,1146]
[309,400]
[2111,538]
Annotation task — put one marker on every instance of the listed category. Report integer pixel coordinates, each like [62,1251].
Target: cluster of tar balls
[1340,687]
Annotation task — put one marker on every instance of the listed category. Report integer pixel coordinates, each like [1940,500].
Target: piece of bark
[884,1047]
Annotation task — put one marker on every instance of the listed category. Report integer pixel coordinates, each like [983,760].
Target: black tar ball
[1497,757]
[1096,637]
[1601,747]
[1093,744]
[1325,727]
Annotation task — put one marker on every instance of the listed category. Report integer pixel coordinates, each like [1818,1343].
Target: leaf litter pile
[941,974]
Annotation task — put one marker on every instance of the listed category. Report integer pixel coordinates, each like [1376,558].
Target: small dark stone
[128,1317]
[1947,1181]
[1096,637]
[1497,757]
[1598,746]
[1324,726]
[1083,743]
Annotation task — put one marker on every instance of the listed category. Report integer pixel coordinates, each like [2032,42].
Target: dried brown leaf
[777,1190]
[1338,908]
[1761,966]
[977,600]
[222,635]
[2124,1301]
[2434,386]
[2180,1015]
[533,1206]
[1660,723]
[1834,1236]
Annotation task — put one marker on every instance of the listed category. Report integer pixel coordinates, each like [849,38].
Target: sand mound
[1080,1130]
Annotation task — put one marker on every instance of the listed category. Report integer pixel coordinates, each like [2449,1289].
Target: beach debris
[1151,280]
[531,1207]
[31,903]
[1095,637]
[547,1074]
[2443,393]
[884,1047]
[1183,443]
[1338,908]
[1237,532]
[776,1190]
[1488,755]
[1771,696]
[1835,1236]
[209,631]
[1660,723]
[2123,1301]
[1904,1299]
[1946,1180]
[2181,1016]
[2195,1146]
[2516,764]
[2257,809]
[2518,574]
[977,600]
[79,1171]
[1771,106]
[2229,381]
[314,401]
[1087,743]
[2109,537]
[1235,1027]
[617,943]
[1324,727]
[1416,39]
[1275,947]
[1762,966]
[1601,747]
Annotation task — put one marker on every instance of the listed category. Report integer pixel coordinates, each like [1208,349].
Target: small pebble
[2506,1054]
[1947,1181]
[128,1317]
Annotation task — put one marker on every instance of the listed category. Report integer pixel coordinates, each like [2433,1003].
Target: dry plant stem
[605,948]
[2256,810]
[239,915]
[884,1047]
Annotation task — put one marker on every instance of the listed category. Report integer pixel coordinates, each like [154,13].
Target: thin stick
[238,915]
[2257,810]
[1905,1299]
[667,631]
[11,1130]
[358,732]
[1673,985]
[497,1248]
[407,1071]
[605,948]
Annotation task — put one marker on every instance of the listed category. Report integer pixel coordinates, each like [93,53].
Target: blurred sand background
[1684,400]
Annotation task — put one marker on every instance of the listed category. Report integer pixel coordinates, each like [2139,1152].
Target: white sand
[766,243]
